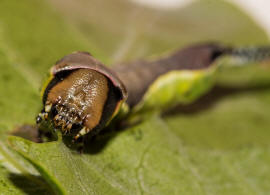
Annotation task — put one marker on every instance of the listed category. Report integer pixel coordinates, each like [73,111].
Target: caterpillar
[82,95]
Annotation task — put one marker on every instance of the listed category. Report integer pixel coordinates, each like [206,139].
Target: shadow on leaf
[30,184]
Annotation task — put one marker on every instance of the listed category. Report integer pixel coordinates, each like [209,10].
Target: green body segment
[177,87]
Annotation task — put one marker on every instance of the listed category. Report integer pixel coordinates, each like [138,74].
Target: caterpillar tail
[248,55]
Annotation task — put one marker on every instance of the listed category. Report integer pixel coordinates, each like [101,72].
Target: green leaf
[19,177]
[218,145]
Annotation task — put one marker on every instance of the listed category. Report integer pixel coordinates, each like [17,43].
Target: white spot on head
[48,108]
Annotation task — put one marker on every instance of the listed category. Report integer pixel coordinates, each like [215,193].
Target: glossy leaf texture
[217,145]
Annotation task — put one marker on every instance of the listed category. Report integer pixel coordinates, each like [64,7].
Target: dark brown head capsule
[81,96]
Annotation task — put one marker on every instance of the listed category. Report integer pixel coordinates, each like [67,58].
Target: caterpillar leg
[81,133]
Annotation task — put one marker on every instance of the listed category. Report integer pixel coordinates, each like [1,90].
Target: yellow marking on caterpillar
[116,111]
[45,85]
